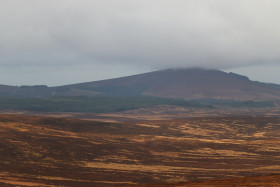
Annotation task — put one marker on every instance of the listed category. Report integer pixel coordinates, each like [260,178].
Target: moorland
[49,151]
[167,128]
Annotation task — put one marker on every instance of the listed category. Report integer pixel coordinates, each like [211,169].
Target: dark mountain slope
[181,83]
[172,83]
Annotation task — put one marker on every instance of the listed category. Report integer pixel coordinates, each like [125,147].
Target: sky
[58,42]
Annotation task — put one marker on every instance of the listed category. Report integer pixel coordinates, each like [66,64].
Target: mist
[66,41]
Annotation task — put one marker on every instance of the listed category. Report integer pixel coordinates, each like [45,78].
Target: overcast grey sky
[57,42]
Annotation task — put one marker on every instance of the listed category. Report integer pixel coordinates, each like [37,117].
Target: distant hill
[180,83]
[171,83]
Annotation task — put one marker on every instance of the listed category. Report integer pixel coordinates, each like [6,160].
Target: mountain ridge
[191,83]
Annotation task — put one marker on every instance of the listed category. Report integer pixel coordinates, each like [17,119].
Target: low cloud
[150,33]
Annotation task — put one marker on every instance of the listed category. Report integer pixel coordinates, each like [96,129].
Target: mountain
[178,83]
[171,83]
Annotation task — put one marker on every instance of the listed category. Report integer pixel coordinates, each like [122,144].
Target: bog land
[62,151]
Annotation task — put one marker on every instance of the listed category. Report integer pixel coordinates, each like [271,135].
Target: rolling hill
[171,83]
[47,151]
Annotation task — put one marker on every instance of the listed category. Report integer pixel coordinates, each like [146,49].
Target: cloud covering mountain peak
[152,34]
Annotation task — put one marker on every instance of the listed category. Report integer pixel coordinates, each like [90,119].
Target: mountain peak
[193,83]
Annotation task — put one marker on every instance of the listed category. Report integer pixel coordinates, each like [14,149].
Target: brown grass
[69,152]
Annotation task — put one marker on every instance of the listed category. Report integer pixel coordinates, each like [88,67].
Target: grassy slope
[68,152]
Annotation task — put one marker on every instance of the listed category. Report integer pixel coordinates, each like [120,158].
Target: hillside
[45,151]
[180,83]
[256,181]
